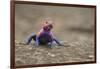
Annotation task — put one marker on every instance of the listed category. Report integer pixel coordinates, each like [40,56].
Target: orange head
[47,26]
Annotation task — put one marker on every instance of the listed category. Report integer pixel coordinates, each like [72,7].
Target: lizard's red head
[47,26]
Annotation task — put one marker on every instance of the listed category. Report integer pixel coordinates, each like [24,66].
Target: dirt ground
[73,26]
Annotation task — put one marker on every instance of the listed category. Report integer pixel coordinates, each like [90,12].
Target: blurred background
[68,21]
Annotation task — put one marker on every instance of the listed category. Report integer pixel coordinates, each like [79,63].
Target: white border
[5,34]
